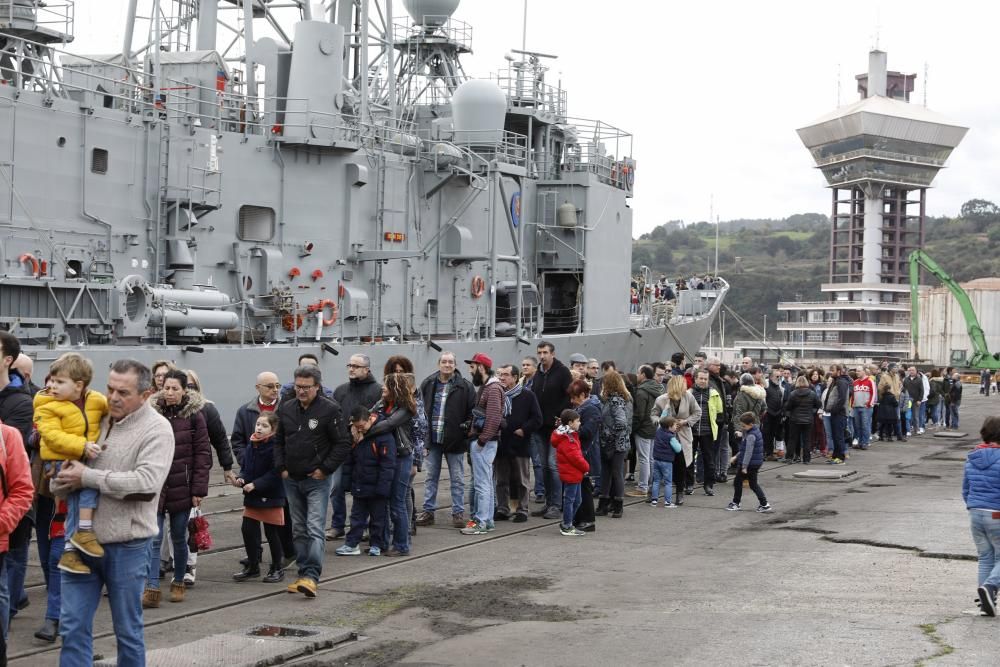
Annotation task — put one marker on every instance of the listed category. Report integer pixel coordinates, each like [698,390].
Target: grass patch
[930,631]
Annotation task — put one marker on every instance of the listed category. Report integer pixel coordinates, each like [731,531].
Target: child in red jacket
[572,467]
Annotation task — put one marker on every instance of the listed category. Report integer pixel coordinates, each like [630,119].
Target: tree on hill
[980,211]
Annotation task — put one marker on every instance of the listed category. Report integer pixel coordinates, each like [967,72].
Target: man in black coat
[774,398]
[448,401]
[310,445]
[549,386]
[513,462]
[361,389]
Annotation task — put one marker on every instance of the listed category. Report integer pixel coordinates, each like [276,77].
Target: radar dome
[479,109]
[431,13]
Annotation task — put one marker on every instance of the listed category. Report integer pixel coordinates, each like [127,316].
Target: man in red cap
[485,430]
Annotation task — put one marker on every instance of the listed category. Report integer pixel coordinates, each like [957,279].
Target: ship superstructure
[251,176]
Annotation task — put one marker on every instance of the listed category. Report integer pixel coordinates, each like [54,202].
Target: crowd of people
[573,439]
[664,290]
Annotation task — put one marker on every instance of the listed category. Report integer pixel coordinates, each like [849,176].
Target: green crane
[981,357]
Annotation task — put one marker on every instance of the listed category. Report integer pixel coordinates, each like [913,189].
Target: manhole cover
[279,631]
[951,434]
[832,474]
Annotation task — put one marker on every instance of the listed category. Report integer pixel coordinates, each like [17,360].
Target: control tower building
[879,156]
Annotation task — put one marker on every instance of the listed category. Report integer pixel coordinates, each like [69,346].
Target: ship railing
[596,147]
[408,36]
[53,17]
[481,147]
[526,90]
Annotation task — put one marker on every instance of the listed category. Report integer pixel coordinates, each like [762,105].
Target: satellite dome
[431,13]
[479,109]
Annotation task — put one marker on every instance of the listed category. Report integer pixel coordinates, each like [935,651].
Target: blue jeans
[83,499]
[863,426]
[536,464]
[986,535]
[49,552]
[482,479]
[953,415]
[17,566]
[456,472]
[307,502]
[122,571]
[399,538]
[550,472]
[338,501]
[921,414]
[178,536]
[935,413]
[663,471]
[828,432]
[838,424]
[571,501]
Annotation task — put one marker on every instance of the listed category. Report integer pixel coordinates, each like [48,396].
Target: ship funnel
[315,81]
[479,109]
[430,13]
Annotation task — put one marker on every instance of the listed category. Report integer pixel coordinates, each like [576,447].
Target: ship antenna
[524,28]
[926,69]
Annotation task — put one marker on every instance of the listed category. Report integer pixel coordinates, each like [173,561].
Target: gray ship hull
[228,372]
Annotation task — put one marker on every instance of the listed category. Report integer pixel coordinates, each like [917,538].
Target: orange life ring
[322,306]
[478,287]
[28,257]
[290,323]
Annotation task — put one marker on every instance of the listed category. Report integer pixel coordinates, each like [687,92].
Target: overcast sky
[714,91]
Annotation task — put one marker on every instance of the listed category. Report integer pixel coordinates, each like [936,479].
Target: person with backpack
[800,410]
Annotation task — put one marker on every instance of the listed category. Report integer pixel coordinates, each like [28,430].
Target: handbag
[404,446]
[199,536]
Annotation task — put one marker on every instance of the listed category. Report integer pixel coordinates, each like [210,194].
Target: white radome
[431,12]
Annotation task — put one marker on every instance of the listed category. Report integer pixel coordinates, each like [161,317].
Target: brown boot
[150,598]
[177,592]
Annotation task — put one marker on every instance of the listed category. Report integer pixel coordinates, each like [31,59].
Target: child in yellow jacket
[68,418]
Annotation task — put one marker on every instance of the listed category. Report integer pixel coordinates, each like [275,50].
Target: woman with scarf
[681,405]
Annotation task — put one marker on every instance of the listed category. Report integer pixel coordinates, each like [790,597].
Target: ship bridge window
[256,223]
[99,161]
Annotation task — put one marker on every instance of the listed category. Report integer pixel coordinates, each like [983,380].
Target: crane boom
[981,357]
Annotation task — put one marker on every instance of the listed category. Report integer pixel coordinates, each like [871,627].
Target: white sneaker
[920,431]
[189,576]
[855,442]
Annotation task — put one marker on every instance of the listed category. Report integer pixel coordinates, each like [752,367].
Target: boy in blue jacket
[748,462]
[981,492]
[368,473]
[666,446]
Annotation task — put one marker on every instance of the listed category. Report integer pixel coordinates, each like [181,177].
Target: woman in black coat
[800,410]
[589,408]
[187,481]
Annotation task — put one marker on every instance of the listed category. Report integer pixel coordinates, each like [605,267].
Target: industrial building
[943,336]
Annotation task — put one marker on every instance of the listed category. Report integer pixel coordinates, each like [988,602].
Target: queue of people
[589,435]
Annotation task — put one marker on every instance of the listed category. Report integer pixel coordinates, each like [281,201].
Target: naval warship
[245,181]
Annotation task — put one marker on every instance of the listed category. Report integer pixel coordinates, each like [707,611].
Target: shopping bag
[199,537]
[779,448]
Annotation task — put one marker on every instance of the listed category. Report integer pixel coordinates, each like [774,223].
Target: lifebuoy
[478,287]
[322,306]
[28,257]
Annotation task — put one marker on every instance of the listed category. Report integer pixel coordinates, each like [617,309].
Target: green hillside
[767,261]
